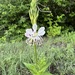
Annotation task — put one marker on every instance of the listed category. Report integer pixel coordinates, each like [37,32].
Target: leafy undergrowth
[60,52]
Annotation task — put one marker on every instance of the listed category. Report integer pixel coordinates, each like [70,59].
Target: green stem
[35,53]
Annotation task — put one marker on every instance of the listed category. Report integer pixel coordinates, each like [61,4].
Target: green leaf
[31,67]
[44,68]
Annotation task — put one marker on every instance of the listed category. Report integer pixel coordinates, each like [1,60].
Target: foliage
[13,20]
[54,28]
[58,16]
[14,17]
[62,2]
[60,53]
[39,68]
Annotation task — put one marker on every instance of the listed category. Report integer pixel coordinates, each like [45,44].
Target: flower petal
[41,31]
[34,27]
[29,33]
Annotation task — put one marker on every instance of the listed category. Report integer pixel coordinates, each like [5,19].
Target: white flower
[33,35]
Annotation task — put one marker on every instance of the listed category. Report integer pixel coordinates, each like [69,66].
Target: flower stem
[35,53]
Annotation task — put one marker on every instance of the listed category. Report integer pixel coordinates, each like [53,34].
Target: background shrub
[56,15]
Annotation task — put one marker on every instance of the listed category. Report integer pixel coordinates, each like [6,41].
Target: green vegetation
[59,51]
[58,18]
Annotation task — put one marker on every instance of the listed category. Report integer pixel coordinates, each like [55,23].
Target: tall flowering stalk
[32,34]
[33,12]
[34,38]
[39,66]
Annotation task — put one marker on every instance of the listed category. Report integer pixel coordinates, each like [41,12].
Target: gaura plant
[39,66]
[34,37]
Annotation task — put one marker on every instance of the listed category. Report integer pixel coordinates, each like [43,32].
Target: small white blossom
[33,35]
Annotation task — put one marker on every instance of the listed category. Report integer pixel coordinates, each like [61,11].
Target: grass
[60,51]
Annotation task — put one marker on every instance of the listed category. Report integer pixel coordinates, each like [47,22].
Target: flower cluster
[34,36]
